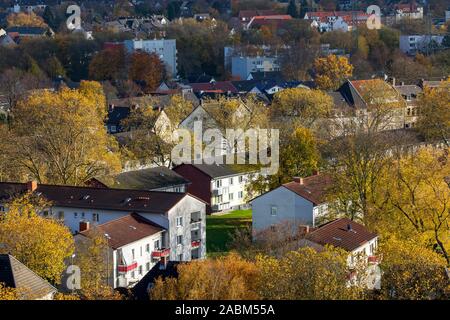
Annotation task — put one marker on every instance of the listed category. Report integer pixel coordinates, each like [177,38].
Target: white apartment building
[166,49]
[412,44]
[181,216]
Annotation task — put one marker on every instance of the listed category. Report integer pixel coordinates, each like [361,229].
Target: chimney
[298,180]
[349,227]
[84,226]
[32,185]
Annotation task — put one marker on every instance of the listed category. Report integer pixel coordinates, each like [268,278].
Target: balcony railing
[126,268]
[195,243]
[161,253]
[196,220]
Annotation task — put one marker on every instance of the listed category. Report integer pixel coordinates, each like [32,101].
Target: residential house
[135,244]
[410,93]
[243,66]
[277,20]
[336,20]
[182,215]
[152,179]
[28,285]
[166,50]
[222,186]
[246,15]
[419,43]
[18,33]
[302,201]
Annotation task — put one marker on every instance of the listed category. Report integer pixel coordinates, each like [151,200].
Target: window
[82,214]
[95,217]
[241,179]
[147,266]
[179,221]
[180,257]
[218,183]
[132,254]
[141,250]
[231,181]
[75,215]
[133,274]
[231,196]
[45,213]
[140,270]
[2,209]
[147,247]
[273,210]
[113,129]
[179,240]
[240,194]
[156,245]
[60,215]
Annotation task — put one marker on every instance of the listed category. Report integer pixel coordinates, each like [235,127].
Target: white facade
[166,49]
[412,44]
[409,13]
[230,193]
[281,205]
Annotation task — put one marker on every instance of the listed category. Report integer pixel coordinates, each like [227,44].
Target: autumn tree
[332,71]
[108,64]
[224,278]
[178,109]
[306,274]
[420,194]
[434,120]
[42,244]
[94,257]
[147,70]
[412,272]
[7,293]
[59,137]
[302,105]
[22,19]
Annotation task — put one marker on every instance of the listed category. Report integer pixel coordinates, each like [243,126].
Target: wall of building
[289,207]
[226,197]
[200,185]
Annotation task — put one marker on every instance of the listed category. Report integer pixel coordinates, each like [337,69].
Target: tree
[42,244]
[303,8]
[434,120]
[306,274]
[50,18]
[108,64]
[332,71]
[292,9]
[60,137]
[224,278]
[147,70]
[301,104]
[8,293]
[94,257]
[178,109]
[25,20]
[420,194]
[412,272]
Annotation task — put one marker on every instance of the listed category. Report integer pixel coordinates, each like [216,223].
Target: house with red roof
[345,21]
[302,201]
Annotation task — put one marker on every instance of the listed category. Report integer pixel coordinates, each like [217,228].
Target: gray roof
[15,274]
[408,89]
[145,179]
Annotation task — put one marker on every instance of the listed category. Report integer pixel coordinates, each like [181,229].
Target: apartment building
[166,49]
[243,66]
[181,215]
[221,186]
[412,44]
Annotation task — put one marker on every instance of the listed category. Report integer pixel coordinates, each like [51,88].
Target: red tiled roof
[342,233]
[125,230]
[314,188]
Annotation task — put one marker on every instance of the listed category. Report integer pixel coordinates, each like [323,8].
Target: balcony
[127,268]
[161,253]
[195,243]
[217,192]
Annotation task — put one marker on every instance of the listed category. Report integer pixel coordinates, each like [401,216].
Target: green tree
[292,9]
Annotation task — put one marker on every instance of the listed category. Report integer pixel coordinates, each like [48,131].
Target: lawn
[219,229]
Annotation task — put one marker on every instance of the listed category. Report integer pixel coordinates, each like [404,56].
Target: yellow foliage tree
[60,137]
[41,244]
[22,19]
[8,293]
[332,71]
[225,278]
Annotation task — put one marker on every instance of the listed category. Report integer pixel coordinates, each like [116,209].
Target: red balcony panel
[124,268]
[195,243]
[161,253]
[373,259]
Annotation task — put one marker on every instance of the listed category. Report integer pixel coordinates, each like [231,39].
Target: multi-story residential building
[166,49]
[242,66]
[410,94]
[221,186]
[302,202]
[136,246]
[182,215]
[412,44]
